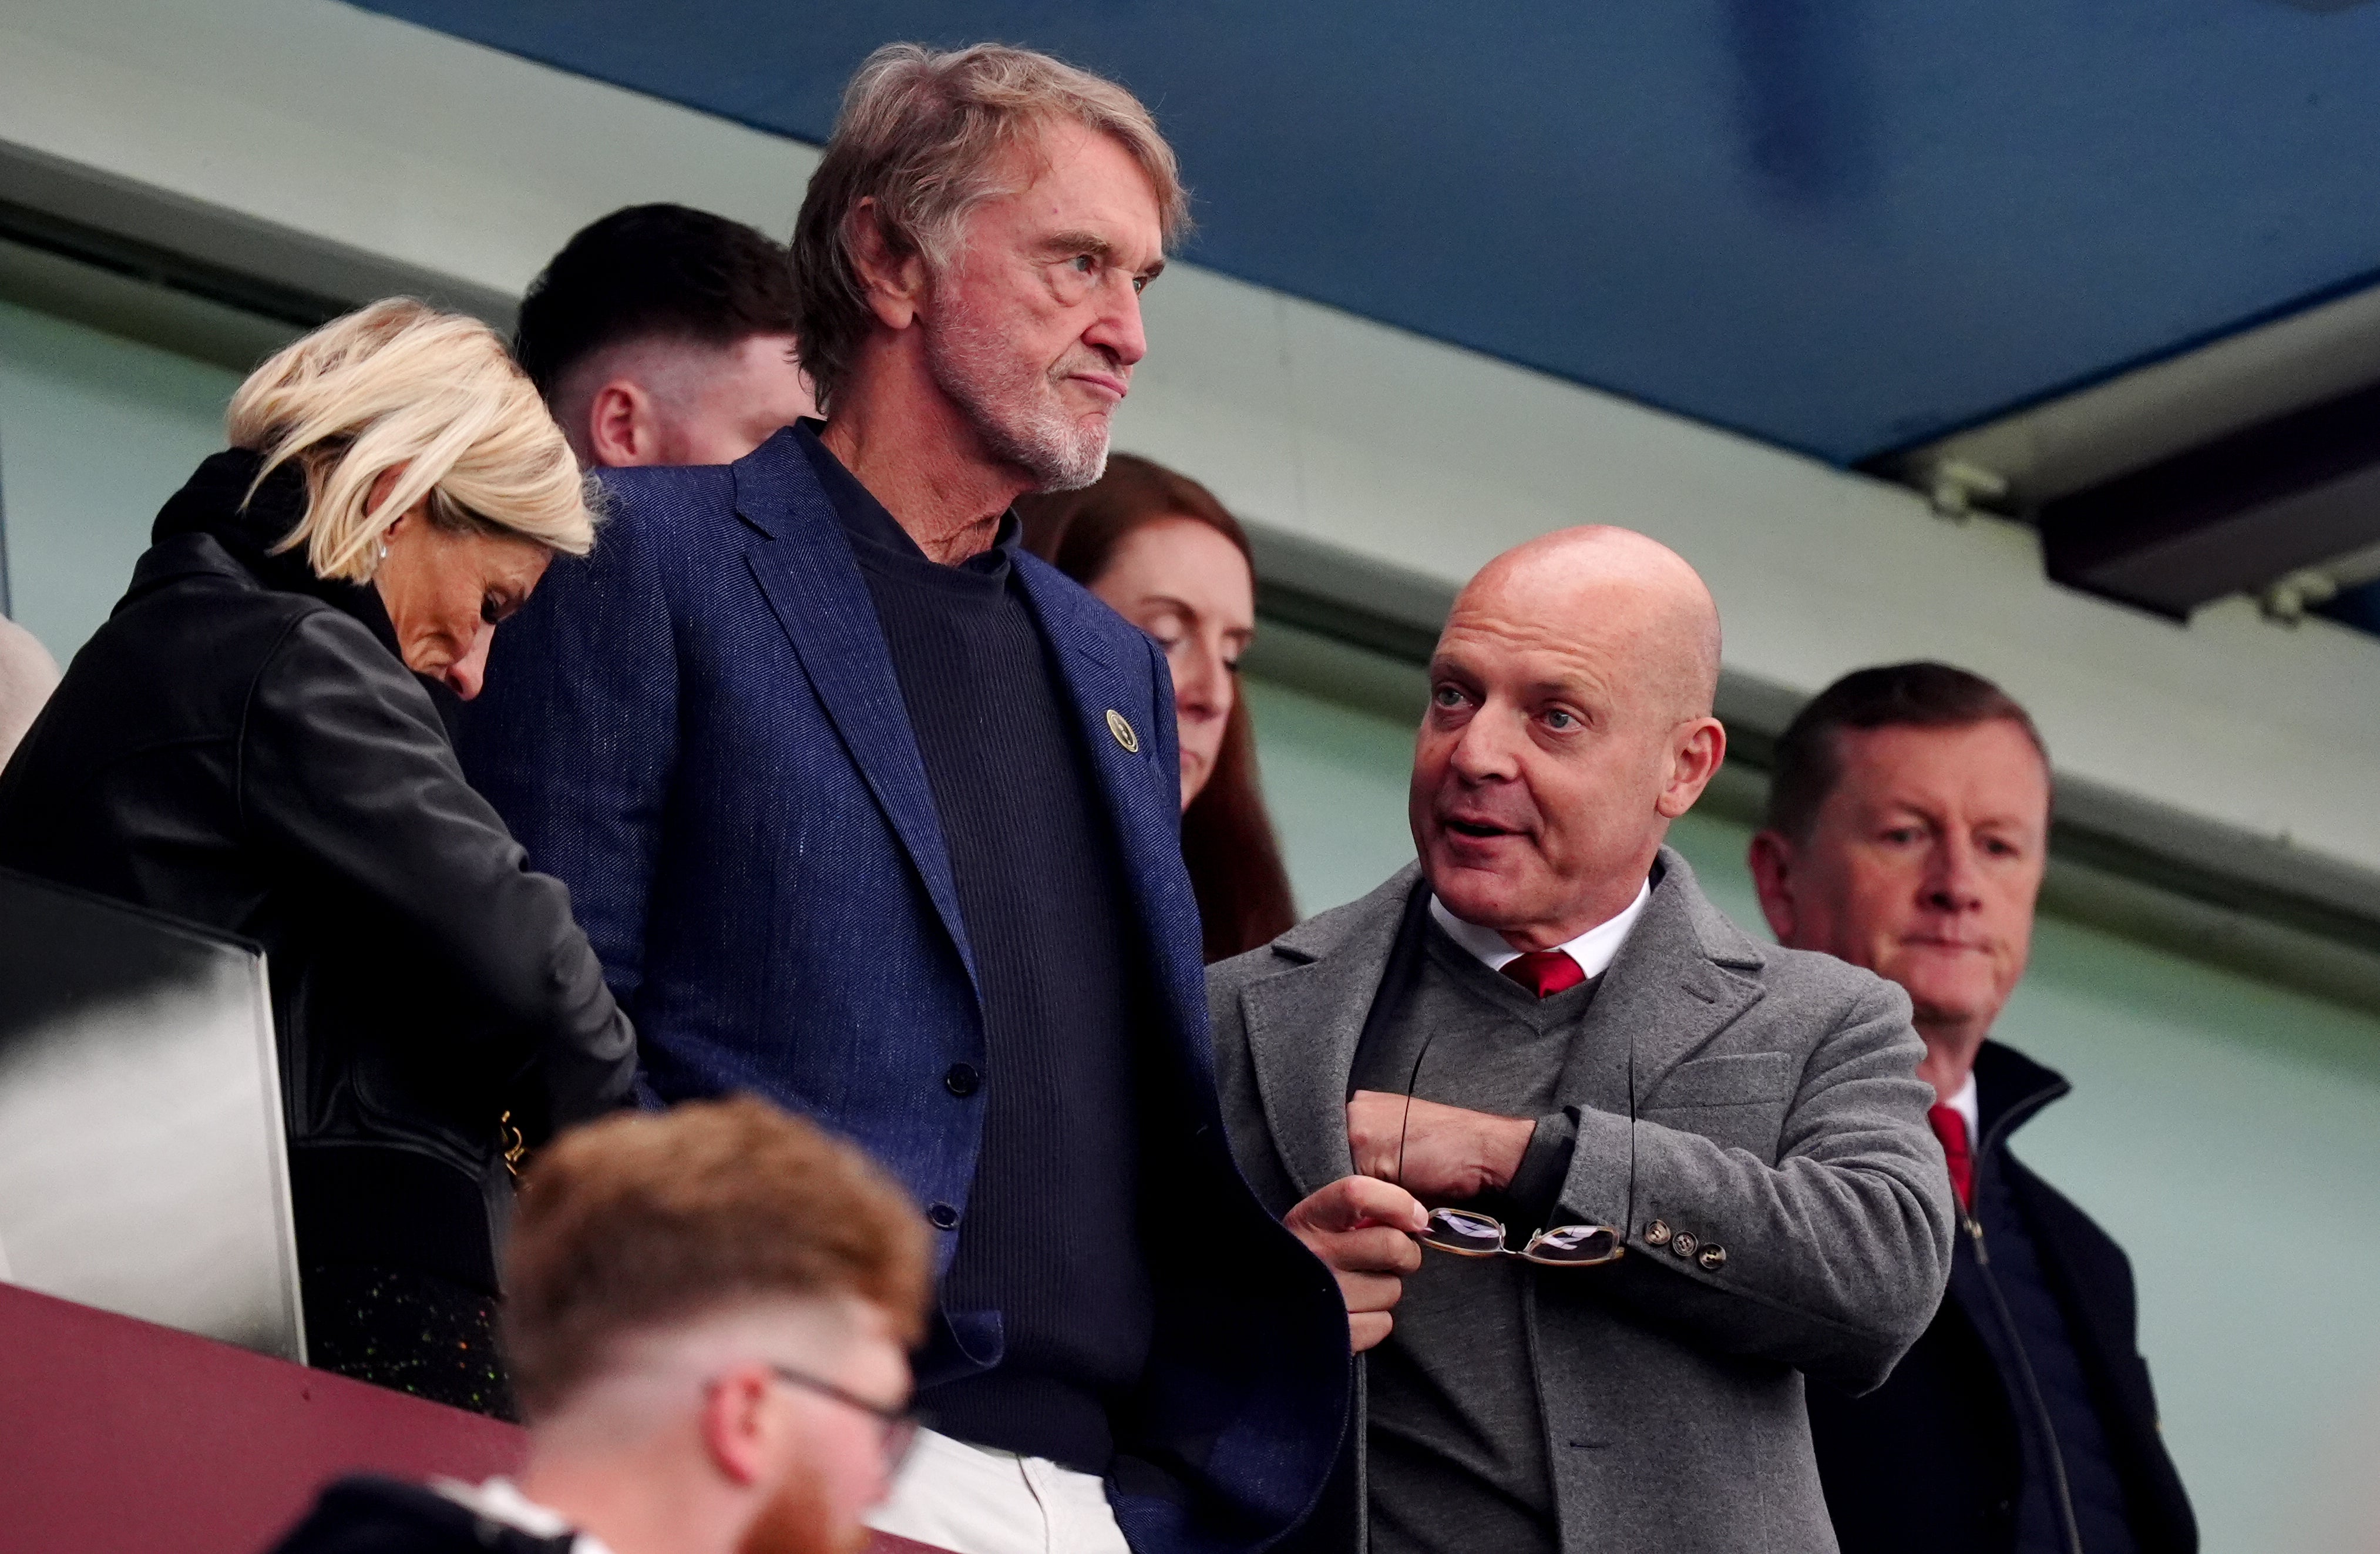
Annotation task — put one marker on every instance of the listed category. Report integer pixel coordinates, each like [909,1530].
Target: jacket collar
[1678,981]
[224,521]
[2010,1090]
[1682,978]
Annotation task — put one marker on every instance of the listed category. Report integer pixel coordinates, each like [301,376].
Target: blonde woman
[245,745]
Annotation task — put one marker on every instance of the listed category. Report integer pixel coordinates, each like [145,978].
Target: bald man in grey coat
[1710,1155]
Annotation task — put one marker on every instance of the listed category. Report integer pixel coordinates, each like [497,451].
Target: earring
[383,550]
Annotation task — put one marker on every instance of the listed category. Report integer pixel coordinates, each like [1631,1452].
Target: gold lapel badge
[1123,732]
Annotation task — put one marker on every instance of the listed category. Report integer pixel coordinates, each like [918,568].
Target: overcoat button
[1657,1233]
[1683,1243]
[942,1217]
[961,1079]
[1714,1258]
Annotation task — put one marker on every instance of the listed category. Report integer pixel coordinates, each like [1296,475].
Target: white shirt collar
[500,1500]
[1594,950]
[1964,1104]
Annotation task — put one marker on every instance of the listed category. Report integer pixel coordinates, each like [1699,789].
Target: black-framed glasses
[1467,1235]
[899,1426]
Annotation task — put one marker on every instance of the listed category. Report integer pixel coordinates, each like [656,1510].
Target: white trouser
[972,1500]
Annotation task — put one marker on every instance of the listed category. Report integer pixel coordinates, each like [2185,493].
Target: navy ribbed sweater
[1050,1239]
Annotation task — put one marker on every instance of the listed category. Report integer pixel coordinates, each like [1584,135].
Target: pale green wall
[2226,1132]
[95,433]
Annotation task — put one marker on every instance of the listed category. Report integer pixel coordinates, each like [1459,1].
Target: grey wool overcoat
[1785,1206]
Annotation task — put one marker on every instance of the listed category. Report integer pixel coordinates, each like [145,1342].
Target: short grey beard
[995,389]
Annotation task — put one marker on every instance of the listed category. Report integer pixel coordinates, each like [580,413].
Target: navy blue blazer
[698,730]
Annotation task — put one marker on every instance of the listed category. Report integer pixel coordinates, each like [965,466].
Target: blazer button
[942,1217]
[961,1079]
[1714,1258]
[1657,1233]
[1683,1243]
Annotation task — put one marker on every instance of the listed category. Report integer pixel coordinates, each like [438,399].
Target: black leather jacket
[241,747]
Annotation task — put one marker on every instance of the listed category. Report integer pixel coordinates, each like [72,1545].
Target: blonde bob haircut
[926,135]
[433,397]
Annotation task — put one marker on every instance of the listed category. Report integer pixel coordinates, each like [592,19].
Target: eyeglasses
[900,1426]
[1467,1234]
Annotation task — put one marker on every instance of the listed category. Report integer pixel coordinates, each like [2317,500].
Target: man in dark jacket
[872,812]
[1907,826]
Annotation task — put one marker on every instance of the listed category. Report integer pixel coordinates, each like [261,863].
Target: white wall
[2221,1129]
[439,153]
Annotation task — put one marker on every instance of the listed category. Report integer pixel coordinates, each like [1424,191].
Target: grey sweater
[1456,1441]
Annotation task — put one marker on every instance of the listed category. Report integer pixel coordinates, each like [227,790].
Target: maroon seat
[119,1437]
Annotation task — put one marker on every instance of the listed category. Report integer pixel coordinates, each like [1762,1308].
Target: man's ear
[1772,859]
[623,425]
[734,1424]
[1695,755]
[894,278]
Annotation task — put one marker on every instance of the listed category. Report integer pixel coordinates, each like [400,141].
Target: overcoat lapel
[1669,990]
[805,568]
[1305,1023]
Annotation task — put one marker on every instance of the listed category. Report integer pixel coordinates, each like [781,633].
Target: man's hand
[1364,1232]
[1450,1155]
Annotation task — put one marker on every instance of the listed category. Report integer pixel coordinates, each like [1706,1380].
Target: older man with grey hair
[868,810]
[1602,1178]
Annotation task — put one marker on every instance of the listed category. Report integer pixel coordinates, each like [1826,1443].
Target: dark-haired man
[706,1316]
[661,335]
[1908,832]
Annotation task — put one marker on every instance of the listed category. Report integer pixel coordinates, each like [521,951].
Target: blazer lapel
[1671,988]
[1303,1026]
[804,568]
[1108,677]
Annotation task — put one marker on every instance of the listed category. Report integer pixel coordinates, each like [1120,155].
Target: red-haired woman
[1162,551]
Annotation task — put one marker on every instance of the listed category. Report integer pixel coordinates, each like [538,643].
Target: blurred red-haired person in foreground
[707,1316]
[1159,549]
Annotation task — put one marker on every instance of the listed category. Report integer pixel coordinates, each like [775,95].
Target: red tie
[1951,1128]
[1545,972]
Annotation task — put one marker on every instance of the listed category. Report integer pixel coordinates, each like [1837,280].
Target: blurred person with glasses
[707,1322]
[1707,1156]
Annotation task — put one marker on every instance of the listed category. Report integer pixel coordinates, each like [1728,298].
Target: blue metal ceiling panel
[1840,225]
